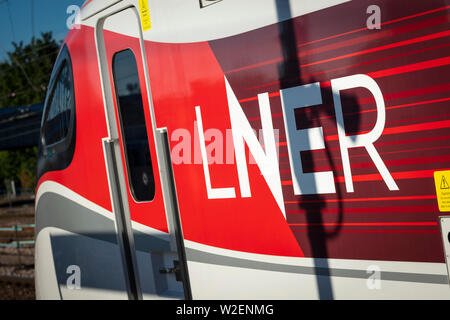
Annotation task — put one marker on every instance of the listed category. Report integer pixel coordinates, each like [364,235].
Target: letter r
[361,140]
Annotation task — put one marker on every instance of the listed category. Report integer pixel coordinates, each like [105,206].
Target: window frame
[131,185]
[63,144]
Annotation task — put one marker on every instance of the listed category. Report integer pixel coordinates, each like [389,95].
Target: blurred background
[31,33]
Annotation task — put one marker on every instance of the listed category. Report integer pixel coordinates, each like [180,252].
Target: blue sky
[49,15]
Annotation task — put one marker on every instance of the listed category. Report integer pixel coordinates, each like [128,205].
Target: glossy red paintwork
[407,57]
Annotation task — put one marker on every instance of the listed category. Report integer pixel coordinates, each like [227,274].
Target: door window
[132,125]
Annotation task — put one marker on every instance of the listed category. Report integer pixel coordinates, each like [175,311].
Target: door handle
[175,269]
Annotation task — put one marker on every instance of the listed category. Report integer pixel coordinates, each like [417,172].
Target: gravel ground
[11,264]
[14,292]
[16,262]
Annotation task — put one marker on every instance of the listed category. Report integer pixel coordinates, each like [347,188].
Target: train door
[140,170]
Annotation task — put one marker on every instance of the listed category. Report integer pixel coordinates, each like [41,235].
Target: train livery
[260,149]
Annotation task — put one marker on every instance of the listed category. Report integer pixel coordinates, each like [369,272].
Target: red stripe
[390,124]
[381,73]
[411,67]
[403,142]
[396,175]
[348,42]
[387,108]
[424,119]
[358,64]
[376,60]
[271,95]
[397,95]
[398,162]
[410,93]
[385,47]
[403,69]
[381,153]
[381,231]
[419,127]
[376,36]
[367,224]
[432,197]
[413,140]
[409,128]
[363,155]
[365,210]
[376,176]
[382,24]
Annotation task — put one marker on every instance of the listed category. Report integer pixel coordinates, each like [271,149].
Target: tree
[24,78]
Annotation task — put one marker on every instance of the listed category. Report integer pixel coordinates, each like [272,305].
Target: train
[258,149]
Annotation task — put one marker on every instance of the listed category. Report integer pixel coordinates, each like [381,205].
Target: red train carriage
[247,149]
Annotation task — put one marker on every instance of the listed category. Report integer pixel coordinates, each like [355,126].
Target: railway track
[17,281]
[19,200]
[17,253]
[17,235]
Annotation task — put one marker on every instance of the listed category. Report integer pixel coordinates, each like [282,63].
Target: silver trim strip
[209,258]
[54,210]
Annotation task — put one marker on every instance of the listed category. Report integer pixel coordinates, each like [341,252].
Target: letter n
[267,158]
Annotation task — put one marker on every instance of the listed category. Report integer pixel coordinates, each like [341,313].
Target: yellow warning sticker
[145,15]
[442,183]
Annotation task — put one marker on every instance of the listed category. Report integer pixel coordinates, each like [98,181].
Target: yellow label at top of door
[442,184]
[145,15]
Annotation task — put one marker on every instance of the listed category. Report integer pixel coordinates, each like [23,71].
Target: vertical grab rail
[172,209]
[125,237]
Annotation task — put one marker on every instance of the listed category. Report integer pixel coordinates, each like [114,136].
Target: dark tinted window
[60,107]
[58,127]
[133,128]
